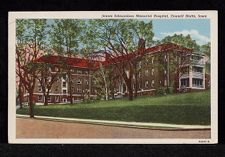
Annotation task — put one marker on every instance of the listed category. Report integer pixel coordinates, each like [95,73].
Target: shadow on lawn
[174,114]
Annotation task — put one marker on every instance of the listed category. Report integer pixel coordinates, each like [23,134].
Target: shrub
[161,91]
[169,90]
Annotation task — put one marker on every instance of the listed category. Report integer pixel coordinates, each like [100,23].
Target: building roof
[154,49]
[72,62]
[93,64]
[166,47]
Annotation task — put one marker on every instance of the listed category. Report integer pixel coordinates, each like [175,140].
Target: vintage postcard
[113,77]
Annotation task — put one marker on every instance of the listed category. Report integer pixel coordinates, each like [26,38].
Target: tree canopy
[180,39]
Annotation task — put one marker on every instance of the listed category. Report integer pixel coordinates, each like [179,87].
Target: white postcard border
[212,15]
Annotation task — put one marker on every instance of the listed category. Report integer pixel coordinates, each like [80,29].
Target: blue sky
[199,29]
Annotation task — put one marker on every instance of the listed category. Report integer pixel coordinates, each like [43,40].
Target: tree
[182,40]
[183,58]
[30,35]
[64,39]
[46,77]
[206,50]
[120,39]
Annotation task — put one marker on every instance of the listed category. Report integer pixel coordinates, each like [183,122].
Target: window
[146,84]
[197,82]
[146,72]
[79,81]
[56,98]
[79,71]
[79,90]
[39,89]
[198,69]
[64,84]
[39,97]
[64,91]
[64,100]
[64,77]
[153,70]
[153,82]
[49,98]
[86,82]
[196,57]
[184,82]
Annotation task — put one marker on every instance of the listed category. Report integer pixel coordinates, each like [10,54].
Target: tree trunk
[106,88]
[70,89]
[112,92]
[31,105]
[130,90]
[20,96]
[128,82]
[46,99]
[136,85]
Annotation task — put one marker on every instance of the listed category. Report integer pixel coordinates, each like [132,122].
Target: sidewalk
[124,124]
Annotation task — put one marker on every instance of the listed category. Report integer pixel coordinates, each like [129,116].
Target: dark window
[79,81]
[198,69]
[185,82]
[64,77]
[39,97]
[197,82]
[64,84]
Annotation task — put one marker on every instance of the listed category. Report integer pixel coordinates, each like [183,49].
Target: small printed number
[203,141]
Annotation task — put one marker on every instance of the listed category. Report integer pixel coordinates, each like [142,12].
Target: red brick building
[167,65]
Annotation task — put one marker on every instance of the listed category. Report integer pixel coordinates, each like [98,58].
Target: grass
[187,108]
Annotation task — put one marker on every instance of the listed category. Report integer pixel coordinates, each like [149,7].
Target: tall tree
[206,50]
[47,75]
[65,41]
[120,39]
[30,35]
[182,40]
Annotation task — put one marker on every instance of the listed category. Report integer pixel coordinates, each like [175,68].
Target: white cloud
[156,38]
[195,35]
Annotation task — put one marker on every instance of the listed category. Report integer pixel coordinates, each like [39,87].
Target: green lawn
[187,108]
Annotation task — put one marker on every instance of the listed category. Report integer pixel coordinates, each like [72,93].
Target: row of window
[147,84]
[78,81]
[195,82]
[152,61]
[76,71]
[147,73]
[78,90]
[56,99]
